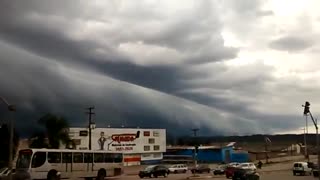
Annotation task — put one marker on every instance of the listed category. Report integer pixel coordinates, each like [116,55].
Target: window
[83,133]
[118,158]
[98,157]
[151,140]
[146,133]
[155,134]
[108,158]
[146,148]
[157,155]
[54,157]
[76,141]
[146,155]
[66,157]
[156,147]
[88,157]
[77,157]
[39,158]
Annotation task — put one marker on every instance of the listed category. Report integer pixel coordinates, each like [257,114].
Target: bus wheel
[53,175]
[101,174]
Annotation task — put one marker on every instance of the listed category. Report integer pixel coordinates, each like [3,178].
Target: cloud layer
[222,66]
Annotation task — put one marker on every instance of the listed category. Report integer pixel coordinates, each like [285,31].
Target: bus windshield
[24,159]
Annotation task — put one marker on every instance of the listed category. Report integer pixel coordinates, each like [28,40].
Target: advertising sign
[128,140]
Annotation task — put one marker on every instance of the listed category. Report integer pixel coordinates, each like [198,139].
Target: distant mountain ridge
[248,139]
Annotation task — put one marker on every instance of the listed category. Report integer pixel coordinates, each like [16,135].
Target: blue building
[209,154]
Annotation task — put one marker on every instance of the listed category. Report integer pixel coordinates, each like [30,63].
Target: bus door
[98,161]
[88,162]
[67,162]
[78,164]
[55,161]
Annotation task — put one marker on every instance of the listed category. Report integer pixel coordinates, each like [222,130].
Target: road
[287,175]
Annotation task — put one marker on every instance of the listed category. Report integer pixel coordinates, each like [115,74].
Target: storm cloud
[159,64]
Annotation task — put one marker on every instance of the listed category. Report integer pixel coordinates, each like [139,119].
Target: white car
[301,168]
[234,164]
[250,166]
[178,168]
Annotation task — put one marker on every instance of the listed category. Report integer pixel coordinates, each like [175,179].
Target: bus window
[117,158]
[66,157]
[88,157]
[39,158]
[77,157]
[54,157]
[108,158]
[98,157]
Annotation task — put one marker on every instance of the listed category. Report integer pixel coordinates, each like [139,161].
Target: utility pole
[315,122]
[267,141]
[305,142]
[195,130]
[90,113]
[11,108]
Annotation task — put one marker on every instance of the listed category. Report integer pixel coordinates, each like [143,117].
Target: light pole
[11,108]
[306,112]
[196,146]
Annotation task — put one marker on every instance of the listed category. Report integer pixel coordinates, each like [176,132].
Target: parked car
[178,168]
[301,168]
[220,170]
[245,174]
[229,171]
[154,171]
[201,169]
[250,166]
[5,172]
[235,164]
[315,170]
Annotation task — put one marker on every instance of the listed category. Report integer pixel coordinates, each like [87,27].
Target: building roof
[192,147]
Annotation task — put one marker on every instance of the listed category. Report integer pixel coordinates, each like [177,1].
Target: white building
[139,146]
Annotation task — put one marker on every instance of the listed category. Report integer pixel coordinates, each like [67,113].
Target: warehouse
[206,154]
[139,146]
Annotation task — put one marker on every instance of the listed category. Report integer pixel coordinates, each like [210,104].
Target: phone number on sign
[124,148]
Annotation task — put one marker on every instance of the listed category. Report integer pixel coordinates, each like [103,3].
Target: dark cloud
[63,58]
[291,43]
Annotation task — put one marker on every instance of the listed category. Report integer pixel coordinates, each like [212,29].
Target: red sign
[123,137]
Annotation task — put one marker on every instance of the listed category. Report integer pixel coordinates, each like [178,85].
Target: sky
[227,67]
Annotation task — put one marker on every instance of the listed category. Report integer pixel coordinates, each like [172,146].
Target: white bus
[64,163]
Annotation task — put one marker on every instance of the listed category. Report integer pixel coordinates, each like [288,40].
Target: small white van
[301,168]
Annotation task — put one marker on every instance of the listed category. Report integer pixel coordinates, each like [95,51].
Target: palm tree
[56,129]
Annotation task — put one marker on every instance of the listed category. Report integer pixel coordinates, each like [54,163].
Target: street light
[11,108]
[306,112]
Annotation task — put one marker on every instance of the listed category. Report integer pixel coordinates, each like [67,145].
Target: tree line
[53,135]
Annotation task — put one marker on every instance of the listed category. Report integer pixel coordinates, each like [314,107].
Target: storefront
[139,146]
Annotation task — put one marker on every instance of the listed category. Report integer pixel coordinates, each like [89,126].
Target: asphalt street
[287,175]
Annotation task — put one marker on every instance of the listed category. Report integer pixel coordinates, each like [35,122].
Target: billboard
[123,140]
